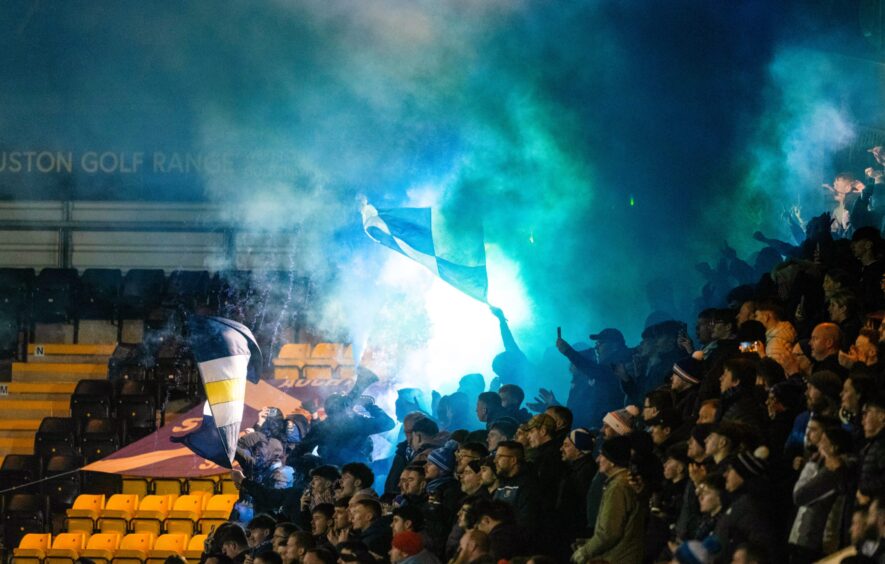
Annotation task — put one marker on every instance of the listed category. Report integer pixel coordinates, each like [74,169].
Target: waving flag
[227,355]
[455,254]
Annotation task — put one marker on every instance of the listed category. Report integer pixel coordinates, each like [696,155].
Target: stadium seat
[101,547]
[185,513]
[195,547]
[100,438]
[289,364]
[99,293]
[152,512]
[217,511]
[142,292]
[54,296]
[91,398]
[56,435]
[63,489]
[19,470]
[138,415]
[136,485]
[16,285]
[83,515]
[169,486]
[117,512]
[188,288]
[98,482]
[167,545]
[206,485]
[32,548]
[23,514]
[134,548]
[66,548]
[229,487]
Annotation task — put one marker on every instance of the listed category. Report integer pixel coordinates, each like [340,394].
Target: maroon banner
[157,456]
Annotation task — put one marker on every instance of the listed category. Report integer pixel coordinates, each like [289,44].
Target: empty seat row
[206,485]
[135,548]
[154,514]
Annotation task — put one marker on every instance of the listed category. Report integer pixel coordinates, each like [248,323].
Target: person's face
[311,558]
[535,437]
[695,450]
[837,312]
[397,525]
[648,411]
[745,313]
[569,451]
[256,536]
[463,458]
[280,538]
[505,462]
[814,398]
[293,551]
[605,465]
[677,384]
[727,381]
[319,523]
[346,485]
[712,444]
[341,518]
[849,396]
[709,499]
[673,470]
[470,481]
[740,556]
[858,527]
[411,483]
[720,330]
[707,413]
[605,348]
[659,434]
[482,411]
[704,330]
[494,437]
[319,485]
[360,517]
[821,345]
[608,432]
[813,433]
[873,419]
[431,471]
[488,475]
[229,549]
[462,516]
[733,480]
[825,446]
[866,349]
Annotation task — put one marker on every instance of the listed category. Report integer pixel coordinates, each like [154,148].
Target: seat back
[221,503]
[141,542]
[36,541]
[70,541]
[127,503]
[173,542]
[92,503]
[104,541]
[19,470]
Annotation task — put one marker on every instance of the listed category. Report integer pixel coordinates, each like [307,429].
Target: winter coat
[620,526]
[505,542]
[747,520]
[523,493]
[571,504]
[377,536]
[872,467]
[740,405]
[346,438]
[813,495]
[401,459]
[779,341]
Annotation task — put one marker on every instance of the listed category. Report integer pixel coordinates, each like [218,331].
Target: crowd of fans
[762,441]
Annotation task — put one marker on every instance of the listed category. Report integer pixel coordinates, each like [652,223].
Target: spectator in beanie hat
[619,422]
[748,517]
[619,532]
[686,377]
[408,547]
[571,504]
[442,487]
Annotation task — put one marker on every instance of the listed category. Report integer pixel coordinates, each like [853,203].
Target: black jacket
[345,438]
[523,492]
[740,405]
[377,536]
[872,467]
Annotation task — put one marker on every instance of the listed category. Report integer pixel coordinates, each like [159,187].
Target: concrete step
[19,428]
[33,409]
[57,371]
[18,445]
[39,390]
[73,353]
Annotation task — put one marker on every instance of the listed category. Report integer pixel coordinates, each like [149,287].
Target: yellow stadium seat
[168,486]
[84,513]
[229,487]
[66,548]
[217,511]
[32,548]
[152,511]
[134,548]
[137,486]
[117,512]
[167,545]
[184,515]
[195,547]
[208,484]
[101,547]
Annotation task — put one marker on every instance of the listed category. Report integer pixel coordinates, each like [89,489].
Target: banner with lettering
[158,456]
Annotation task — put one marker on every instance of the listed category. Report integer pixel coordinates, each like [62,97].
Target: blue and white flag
[227,355]
[455,254]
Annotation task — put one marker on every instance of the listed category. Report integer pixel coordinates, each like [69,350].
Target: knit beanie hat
[750,464]
[617,450]
[444,457]
[621,420]
[409,543]
[698,552]
[689,369]
[583,439]
[828,383]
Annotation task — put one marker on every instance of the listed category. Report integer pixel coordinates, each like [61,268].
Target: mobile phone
[559,332]
[747,346]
